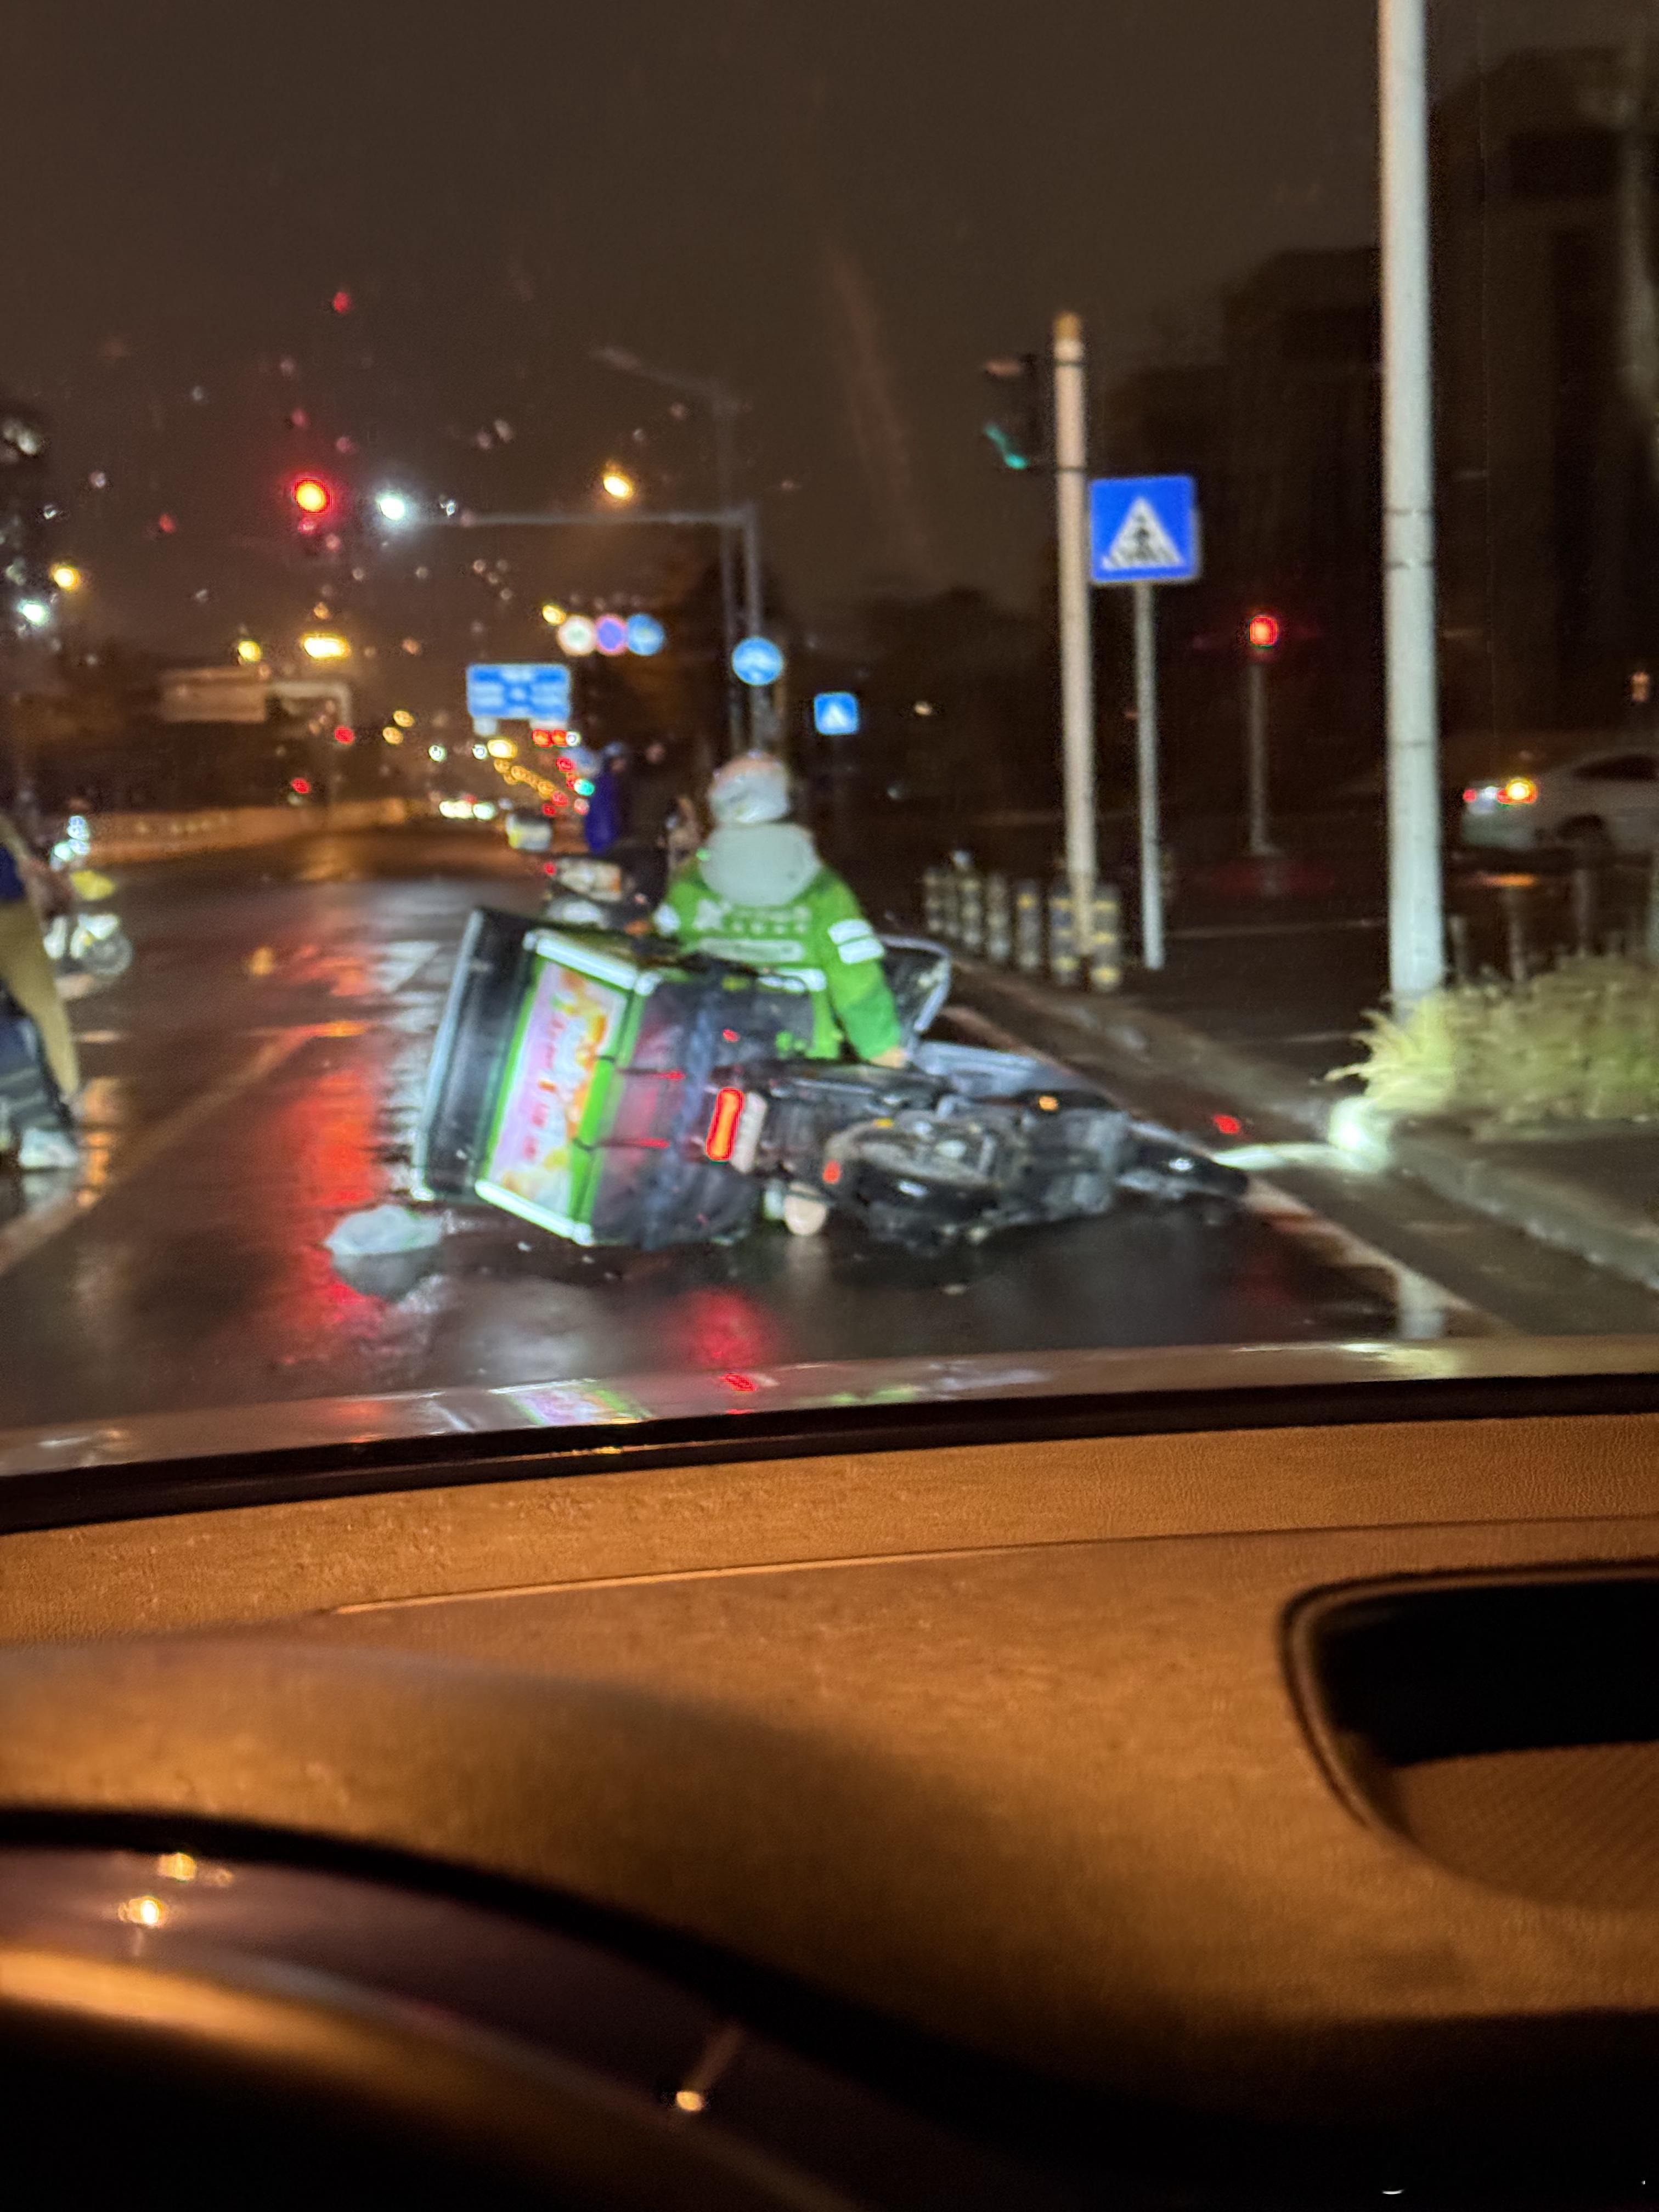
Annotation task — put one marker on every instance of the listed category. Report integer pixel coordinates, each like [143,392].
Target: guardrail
[167,836]
[1016,923]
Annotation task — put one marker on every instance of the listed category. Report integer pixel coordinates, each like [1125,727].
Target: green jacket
[819,935]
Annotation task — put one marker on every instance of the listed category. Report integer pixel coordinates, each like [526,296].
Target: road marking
[21,1238]
[1423,1308]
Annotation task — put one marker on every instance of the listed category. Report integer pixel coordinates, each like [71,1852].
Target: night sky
[841,209]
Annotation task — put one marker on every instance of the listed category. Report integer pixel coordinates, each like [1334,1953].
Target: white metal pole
[1416,928]
[1261,843]
[1077,675]
[1152,848]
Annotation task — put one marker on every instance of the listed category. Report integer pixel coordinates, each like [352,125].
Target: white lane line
[20,1238]
[1423,1308]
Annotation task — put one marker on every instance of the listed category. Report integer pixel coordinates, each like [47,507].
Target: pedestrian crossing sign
[1144,529]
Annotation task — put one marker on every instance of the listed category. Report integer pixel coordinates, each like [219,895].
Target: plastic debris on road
[384,1231]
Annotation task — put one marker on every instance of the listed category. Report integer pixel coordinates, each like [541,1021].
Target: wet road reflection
[256,1077]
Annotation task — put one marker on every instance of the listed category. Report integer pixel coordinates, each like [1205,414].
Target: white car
[1605,801]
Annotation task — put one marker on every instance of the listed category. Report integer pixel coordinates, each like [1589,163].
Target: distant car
[1606,801]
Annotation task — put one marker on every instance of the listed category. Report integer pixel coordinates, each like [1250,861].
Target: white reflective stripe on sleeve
[666,920]
[814,978]
[866,948]
[841,931]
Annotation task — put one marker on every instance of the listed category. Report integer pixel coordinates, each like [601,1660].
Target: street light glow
[249,652]
[403,718]
[553,614]
[395,507]
[67,576]
[323,645]
[617,484]
[37,613]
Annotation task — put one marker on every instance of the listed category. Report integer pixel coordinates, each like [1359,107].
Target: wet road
[255,1078]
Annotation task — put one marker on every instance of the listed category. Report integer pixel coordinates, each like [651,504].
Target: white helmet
[754,787]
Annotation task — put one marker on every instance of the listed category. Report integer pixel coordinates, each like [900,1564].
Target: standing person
[27,975]
[652,795]
[759,893]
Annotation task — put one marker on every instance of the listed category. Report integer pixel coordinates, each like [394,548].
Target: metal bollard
[950,905]
[999,920]
[935,886]
[1028,928]
[970,892]
[1063,963]
[1106,951]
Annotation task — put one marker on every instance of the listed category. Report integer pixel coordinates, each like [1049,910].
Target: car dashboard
[1060,1812]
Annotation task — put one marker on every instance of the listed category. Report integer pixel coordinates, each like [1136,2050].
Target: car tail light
[723,1127]
[1471,794]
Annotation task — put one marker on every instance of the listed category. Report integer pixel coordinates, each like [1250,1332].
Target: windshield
[763,705]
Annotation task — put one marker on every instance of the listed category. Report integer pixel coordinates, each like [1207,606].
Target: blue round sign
[610,635]
[645,634]
[756,660]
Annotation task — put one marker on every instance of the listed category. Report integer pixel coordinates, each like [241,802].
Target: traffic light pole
[1077,675]
[1416,924]
[1260,845]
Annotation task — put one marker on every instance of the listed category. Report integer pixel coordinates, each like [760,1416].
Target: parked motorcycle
[619,889]
[616,1090]
[85,940]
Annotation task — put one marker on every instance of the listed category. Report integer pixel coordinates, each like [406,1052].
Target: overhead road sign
[520,691]
[756,661]
[1144,529]
[836,714]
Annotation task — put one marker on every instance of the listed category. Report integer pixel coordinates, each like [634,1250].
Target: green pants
[27,975]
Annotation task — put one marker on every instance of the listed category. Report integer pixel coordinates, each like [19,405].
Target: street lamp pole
[1416,927]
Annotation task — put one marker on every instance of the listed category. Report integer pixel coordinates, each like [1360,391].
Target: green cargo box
[576,1077]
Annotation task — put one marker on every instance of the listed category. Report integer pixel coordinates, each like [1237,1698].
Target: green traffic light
[1011,455]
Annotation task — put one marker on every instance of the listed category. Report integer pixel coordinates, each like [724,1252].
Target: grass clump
[1578,1042]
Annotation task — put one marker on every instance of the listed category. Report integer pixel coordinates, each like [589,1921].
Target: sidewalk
[1246,1021]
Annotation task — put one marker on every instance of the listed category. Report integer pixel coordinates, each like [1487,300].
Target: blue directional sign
[1144,529]
[521,691]
[756,660]
[645,634]
[836,714]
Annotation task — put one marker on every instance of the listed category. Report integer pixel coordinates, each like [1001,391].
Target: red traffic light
[312,497]
[1263,632]
[344,734]
[300,786]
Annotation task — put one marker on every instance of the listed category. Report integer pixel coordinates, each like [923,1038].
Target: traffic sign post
[1144,532]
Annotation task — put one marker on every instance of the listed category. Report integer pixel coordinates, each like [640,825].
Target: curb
[1547,1207]
[1455,1167]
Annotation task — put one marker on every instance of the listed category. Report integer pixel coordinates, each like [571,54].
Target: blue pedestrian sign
[1144,529]
[836,714]
[521,691]
[756,661]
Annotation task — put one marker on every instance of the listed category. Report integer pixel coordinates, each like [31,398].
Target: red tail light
[723,1128]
